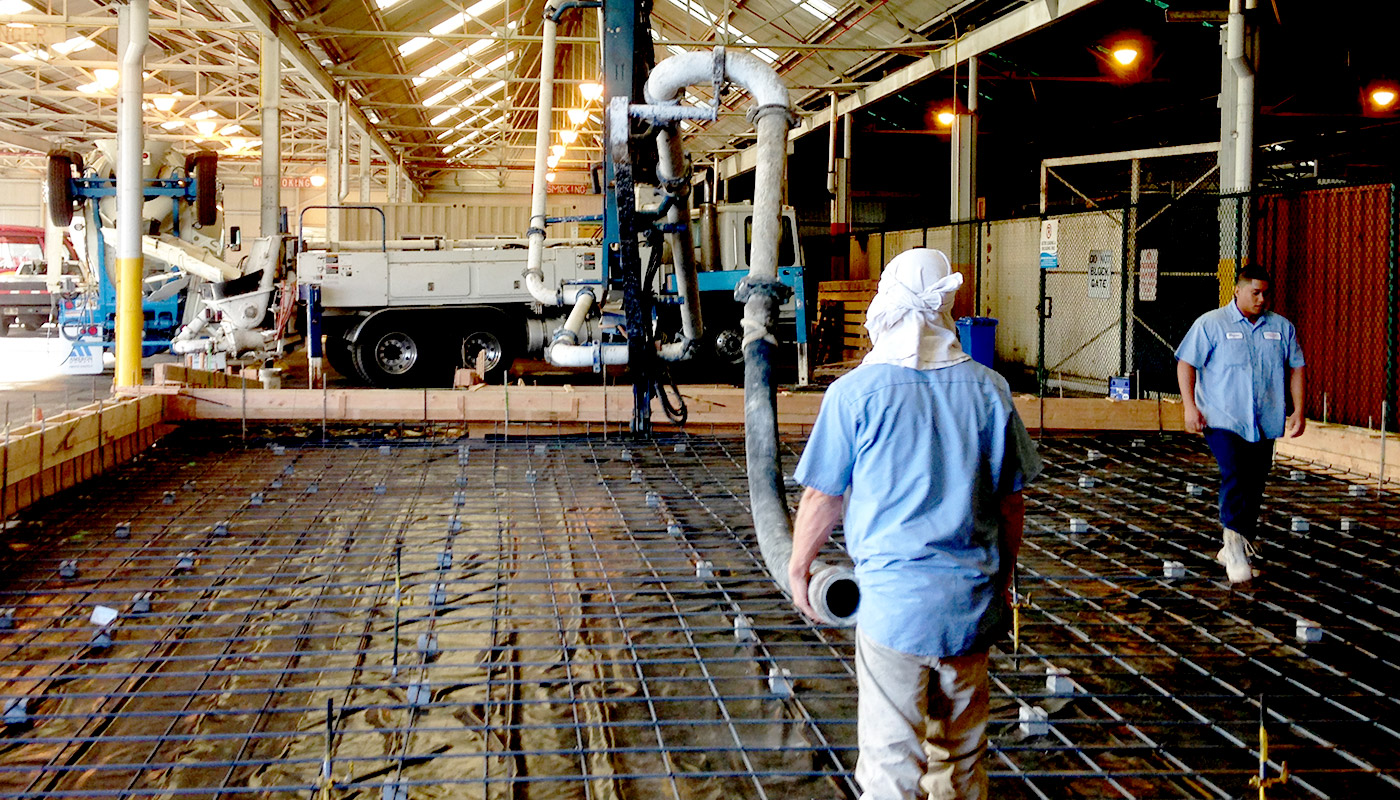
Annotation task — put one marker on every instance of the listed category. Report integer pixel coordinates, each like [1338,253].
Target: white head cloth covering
[908,320]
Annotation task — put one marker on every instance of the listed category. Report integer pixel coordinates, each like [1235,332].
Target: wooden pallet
[841,307]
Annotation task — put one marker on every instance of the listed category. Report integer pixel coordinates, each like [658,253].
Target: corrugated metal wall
[1010,286]
[1329,252]
[451,221]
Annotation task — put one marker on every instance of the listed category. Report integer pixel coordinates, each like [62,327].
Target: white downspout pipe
[831,145]
[534,274]
[134,27]
[1244,95]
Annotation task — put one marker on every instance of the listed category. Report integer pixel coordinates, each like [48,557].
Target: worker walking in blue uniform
[1240,370]
[934,456]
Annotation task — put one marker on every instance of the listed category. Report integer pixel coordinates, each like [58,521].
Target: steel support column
[270,92]
[366,163]
[963,180]
[133,36]
[335,150]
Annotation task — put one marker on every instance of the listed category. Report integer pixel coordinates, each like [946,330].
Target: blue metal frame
[105,314]
[727,280]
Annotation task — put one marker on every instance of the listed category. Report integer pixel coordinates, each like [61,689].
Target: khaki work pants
[921,724]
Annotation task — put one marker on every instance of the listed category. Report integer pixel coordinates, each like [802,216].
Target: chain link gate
[1084,303]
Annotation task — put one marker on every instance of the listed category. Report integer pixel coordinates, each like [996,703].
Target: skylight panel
[453,61]
[446,93]
[450,25]
[468,103]
[496,64]
[409,47]
[15,7]
[441,118]
[818,8]
[709,19]
[73,45]
[481,7]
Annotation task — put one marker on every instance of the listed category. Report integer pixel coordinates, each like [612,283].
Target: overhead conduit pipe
[832,590]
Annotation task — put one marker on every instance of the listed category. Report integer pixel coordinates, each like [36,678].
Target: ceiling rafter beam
[269,22]
[1025,20]
[105,22]
[16,139]
[160,66]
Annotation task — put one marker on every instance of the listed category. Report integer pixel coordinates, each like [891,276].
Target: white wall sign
[1147,276]
[1050,244]
[1100,272]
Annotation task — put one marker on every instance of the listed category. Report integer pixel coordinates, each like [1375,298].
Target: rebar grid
[395,615]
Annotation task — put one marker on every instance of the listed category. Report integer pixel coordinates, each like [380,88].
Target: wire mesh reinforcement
[395,616]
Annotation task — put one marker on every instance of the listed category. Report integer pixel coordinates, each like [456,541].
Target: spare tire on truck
[203,168]
[59,187]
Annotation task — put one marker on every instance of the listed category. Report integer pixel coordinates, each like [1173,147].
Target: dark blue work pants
[1244,466]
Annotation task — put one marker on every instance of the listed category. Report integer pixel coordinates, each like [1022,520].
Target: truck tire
[338,351]
[203,168]
[393,352]
[5,325]
[60,190]
[488,332]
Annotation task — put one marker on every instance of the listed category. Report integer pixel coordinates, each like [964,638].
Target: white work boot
[1234,556]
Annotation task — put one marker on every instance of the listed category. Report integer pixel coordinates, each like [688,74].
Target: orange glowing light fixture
[1125,55]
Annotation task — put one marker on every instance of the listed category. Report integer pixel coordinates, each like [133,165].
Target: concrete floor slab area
[392,612]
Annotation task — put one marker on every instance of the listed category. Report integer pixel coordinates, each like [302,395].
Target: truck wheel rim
[482,342]
[396,353]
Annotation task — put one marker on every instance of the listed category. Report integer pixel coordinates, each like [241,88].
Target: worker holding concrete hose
[934,456]
[1240,370]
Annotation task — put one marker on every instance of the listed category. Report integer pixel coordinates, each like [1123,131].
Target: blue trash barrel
[978,336]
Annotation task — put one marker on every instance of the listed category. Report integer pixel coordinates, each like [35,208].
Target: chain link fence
[1096,290]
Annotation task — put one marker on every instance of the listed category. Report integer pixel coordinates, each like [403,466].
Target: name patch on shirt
[1234,335]
[1274,335]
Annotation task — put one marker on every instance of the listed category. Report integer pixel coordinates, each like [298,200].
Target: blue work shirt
[927,455]
[1242,370]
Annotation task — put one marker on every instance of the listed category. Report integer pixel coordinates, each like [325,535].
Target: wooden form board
[708,405]
[49,456]
[1344,448]
[721,406]
[178,375]
[1089,414]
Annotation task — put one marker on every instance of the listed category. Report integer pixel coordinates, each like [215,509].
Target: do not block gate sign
[1100,272]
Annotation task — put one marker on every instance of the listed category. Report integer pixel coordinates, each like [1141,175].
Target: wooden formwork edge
[49,455]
